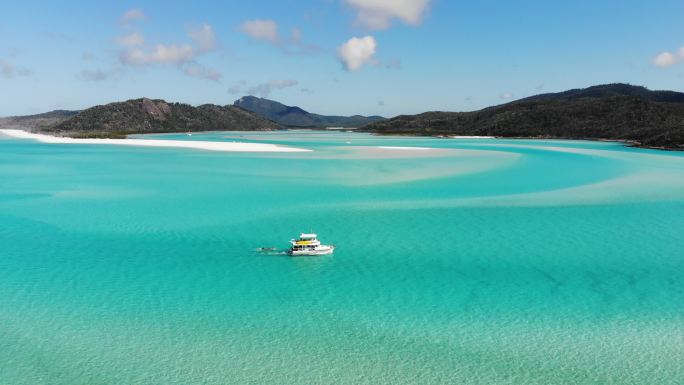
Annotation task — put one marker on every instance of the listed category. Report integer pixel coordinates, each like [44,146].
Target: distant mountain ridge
[612,111]
[139,116]
[608,90]
[292,116]
[37,121]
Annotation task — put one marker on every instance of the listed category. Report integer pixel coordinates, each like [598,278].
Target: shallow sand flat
[498,265]
[403,148]
[198,145]
[628,189]
[570,150]
[366,166]
[390,152]
[369,165]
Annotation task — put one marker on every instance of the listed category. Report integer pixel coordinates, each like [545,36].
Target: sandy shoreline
[404,148]
[192,144]
[471,137]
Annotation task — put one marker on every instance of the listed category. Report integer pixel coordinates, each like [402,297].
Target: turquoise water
[479,261]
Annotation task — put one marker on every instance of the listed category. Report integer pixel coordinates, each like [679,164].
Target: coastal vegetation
[140,116]
[613,111]
[606,112]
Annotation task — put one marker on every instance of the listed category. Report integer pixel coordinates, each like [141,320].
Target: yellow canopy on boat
[303,243]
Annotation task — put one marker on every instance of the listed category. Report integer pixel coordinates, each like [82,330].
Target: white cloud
[134,14]
[258,29]
[378,14]
[160,54]
[264,90]
[204,38]
[506,96]
[267,30]
[184,56]
[198,71]
[9,70]
[667,59]
[357,51]
[132,40]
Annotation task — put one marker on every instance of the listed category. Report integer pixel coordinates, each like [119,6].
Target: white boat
[309,245]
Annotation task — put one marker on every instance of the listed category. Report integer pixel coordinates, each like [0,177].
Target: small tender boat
[309,245]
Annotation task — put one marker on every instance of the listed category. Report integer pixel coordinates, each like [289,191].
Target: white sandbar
[404,148]
[470,137]
[193,144]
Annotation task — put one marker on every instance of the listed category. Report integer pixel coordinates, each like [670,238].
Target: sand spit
[192,144]
[404,148]
[470,137]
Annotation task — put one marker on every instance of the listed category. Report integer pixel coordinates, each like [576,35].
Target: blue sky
[384,57]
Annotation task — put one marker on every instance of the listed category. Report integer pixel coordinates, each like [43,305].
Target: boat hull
[312,253]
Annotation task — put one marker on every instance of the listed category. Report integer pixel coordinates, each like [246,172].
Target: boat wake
[271,251]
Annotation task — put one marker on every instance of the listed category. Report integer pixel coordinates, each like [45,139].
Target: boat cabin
[308,244]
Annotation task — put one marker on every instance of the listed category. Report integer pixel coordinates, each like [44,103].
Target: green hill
[613,111]
[139,116]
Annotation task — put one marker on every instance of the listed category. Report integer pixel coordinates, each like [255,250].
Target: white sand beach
[470,137]
[404,148]
[192,144]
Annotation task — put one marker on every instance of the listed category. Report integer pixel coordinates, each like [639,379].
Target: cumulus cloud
[131,40]
[356,52]
[160,54]
[258,29]
[9,70]
[136,52]
[198,71]
[667,59]
[264,90]
[203,37]
[267,31]
[378,14]
[134,14]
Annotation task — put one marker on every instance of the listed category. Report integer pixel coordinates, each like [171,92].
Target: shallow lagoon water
[482,261]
